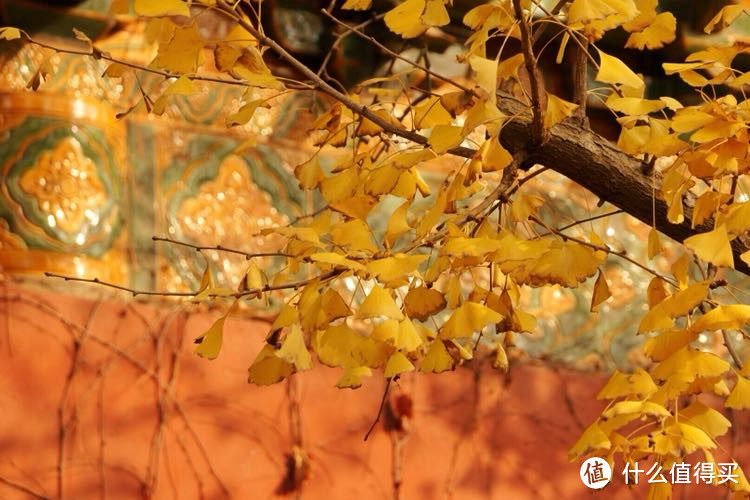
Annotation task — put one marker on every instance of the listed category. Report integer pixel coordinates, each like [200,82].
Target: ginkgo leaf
[408,338]
[182,53]
[613,70]
[445,137]
[661,316]
[601,292]
[437,359]
[639,383]
[293,350]
[405,18]
[500,362]
[286,317]
[392,268]
[656,35]
[379,303]
[692,364]
[209,344]
[494,156]
[654,244]
[422,302]
[352,377]
[160,8]
[336,260]
[435,13]
[309,174]
[353,235]
[557,110]
[9,33]
[713,247]
[667,343]
[728,317]
[486,73]
[706,418]
[245,113]
[396,365]
[470,317]
[268,368]
[634,105]
[640,407]
[592,439]
[656,292]
[397,224]
[356,4]
[739,398]
[341,186]
[251,68]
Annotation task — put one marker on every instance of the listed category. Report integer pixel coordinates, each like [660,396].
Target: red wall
[471,434]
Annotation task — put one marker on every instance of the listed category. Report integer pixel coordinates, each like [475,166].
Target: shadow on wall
[106,399]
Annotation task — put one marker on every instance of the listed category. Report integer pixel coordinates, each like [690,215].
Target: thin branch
[220,248]
[589,219]
[535,80]
[731,349]
[396,55]
[251,291]
[380,409]
[606,249]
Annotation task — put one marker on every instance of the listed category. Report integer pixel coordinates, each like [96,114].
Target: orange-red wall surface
[105,398]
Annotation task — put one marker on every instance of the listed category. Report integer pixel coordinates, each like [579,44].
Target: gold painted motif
[66,187]
[231,211]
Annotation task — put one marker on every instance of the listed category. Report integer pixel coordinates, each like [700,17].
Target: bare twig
[535,78]
[380,409]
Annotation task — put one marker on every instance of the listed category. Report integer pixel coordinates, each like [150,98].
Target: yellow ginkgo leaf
[9,33]
[656,35]
[592,439]
[706,419]
[336,259]
[667,343]
[286,317]
[353,235]
[397,224]
[661,316]
[601,292]
[437,359]
[445,137]
[293,350]
[639,383]
[352,377]
[691,364]
[209,344]
[341,186]
[159,8]
[309,174]
[245,114]
[435,13]
[396,365]
[408,338]
[393,268]
[634,105]
[613,70]
[422,302]
[557,110]
[470,317]
[182,86]
[356,4]
[654,244]
[501,358]
[406,19]
[713,247]
[728,317]
[182,52]
[494,156]
[486,73]
[268,368]
[379,303]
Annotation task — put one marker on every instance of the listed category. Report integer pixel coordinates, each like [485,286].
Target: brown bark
[598,165]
